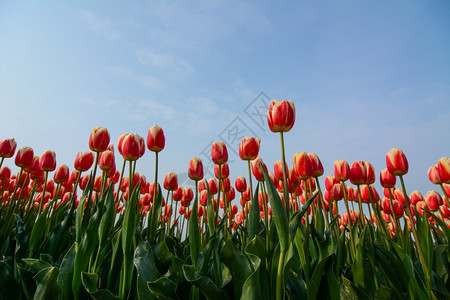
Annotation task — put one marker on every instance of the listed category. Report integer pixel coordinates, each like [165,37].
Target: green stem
[361,211]
[285,184]
[322,204]
[352,242]
[153,210]
[280,273]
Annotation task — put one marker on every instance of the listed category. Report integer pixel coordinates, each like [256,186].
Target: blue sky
[364,76]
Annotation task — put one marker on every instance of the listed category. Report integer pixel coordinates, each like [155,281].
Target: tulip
[433,200]
[240,184]
[281,115]
[61,174]
[302,165]
[224,171]
[257,169]
[341,170]
[396,162]
[106,161]
[171,181]
[278,169]
[213,186]
[358,172]
[47,161]
[120,142]
[195,170]
[330,181]
[99,139]
[433,174]
[5,173]
[444,169]
[84,161]
[219,153]
[370,173]
[316,165]
[7,148]
[24,157]
[131,147]
[249,148]
[155,139]
[387,180]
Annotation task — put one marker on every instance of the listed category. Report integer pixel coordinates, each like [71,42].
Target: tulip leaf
[205,284]
[363,269]
[144,260]
[255,287]
[47,285]
[296,219]
[108,218]
[66,272]
[279,213]
[38,230]
[194,233]
[37,264]
[9,287]
[316,279]
[346,289]
[254,217]
[210,213]
[163,288]
[238,265]
[90,282]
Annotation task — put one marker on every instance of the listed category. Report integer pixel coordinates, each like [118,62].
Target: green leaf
[47,285]
[108,218]
[194,233]
[144,260]
[37,264]
[90,282]
[253,216]
[210,213]
[346,290]
[256,285]
[238,265]
[363,269]
[279,213]
[316,278]
[80,212]
[205,284]
[163,288]
[9,287]
[38,230]
[66,272]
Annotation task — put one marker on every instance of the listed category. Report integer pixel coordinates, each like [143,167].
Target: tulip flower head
[396,162]
[7,148]
[281,115]
[155,139]
[24,157]
[83,161]
[99,139]
[249,148]
[444,169]
[195,170]
[219,153]
[341,170]
[47,161]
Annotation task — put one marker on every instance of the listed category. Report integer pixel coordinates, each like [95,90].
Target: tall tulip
[7,149]
[99,139]
[219,153]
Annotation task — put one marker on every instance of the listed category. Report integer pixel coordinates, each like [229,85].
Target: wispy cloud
[146,81]
[178,67]
[98,25]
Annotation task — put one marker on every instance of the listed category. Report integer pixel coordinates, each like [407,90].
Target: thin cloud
[176,66]
[99,26]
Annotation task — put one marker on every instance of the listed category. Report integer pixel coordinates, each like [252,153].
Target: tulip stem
[362,219]
[416,236]
[218,194]
[352,242]
[153,210]
[285,184]
[280,271]
[445,194]
[322,204]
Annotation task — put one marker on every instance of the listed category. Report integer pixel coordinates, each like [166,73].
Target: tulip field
[95,230]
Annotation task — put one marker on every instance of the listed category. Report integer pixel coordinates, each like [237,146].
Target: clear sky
[365,76]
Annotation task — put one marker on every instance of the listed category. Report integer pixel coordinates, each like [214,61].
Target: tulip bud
[224,170]
[219,153]
[387,180]
[302,165]
[24,157]
[7,148]
[370,173]
[358,172]
[444,169]
[188,194]
[47,161]
[155,139]
[106,160]
[316,165]
[414,197]
[433,200]
[433,174]
[257,168]
[240,184]
[171,181]
[281,115]
[213,186]
[131,147]
[84,161]
[249,148]
[341,170]
[61,174]
[330,180]
[120,142]
[99,139]
[396,162]
[5,173]
[178,194]
[278,169]
[195,170]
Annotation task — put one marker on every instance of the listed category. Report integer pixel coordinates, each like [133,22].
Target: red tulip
[336,192]
[195,170]
[433,174]
[387,180]
[106,161]
[358,172]
[188,194]
[24,157]
[61,174]
[224,170]
[7,148]
[120,142]
[213,186]
[370,173]
[155,139]
[99,139]
[433,200]
[278,169]
[257,169]
[341,170]
[84,161]
[178,194]
[240,184]
[281,115]
[293,178]
[414,197]
[302,165]
[219,153]
[330,180]
[131,147]
[444,169]
[249,148]
[171,181]
[47,161]
[316,165]
[203,200]
[5,173]
[396,162]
